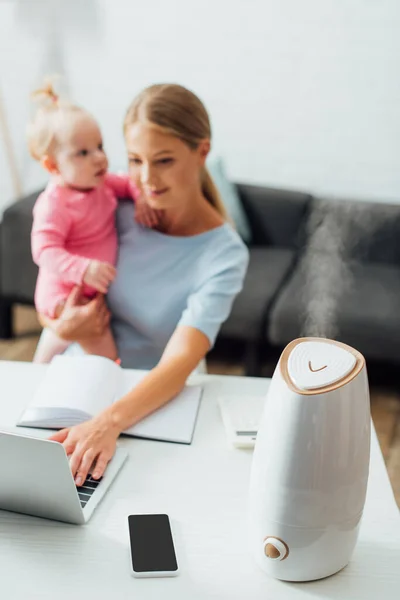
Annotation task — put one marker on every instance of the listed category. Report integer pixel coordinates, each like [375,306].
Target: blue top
[163,281]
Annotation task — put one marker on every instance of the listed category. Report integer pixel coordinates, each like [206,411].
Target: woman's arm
[207,307]
[96,439]
[186,348]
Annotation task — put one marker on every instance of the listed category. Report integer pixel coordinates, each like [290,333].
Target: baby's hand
[99,275]
[145,215]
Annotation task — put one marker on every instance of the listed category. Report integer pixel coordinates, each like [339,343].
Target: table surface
[203,488]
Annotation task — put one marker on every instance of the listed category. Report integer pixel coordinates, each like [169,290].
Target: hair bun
[46,93]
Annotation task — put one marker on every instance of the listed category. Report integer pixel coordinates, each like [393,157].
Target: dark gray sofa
[367,314]
[277,219]
[271,309]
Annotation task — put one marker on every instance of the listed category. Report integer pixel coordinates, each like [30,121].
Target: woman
[174,286]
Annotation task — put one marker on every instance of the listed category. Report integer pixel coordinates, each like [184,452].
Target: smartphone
[152,546]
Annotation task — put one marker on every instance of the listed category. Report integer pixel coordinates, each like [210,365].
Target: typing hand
[91,442]
[99,275]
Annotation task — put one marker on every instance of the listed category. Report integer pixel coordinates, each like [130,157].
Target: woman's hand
[88,444]
[80,321]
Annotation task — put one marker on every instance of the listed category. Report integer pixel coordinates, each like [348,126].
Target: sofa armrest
[17,270]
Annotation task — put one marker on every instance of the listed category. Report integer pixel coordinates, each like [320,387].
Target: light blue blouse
[163,281]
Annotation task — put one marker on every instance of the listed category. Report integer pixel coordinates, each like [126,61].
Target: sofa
[274,305]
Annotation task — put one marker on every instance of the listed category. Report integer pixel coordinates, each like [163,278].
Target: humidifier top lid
[317,364]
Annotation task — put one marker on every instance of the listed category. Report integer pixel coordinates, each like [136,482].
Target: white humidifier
[311,460]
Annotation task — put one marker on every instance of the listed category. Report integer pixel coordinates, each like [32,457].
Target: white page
[86,383]
[173,422]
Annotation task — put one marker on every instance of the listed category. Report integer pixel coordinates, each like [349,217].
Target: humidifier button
[275,549]
[312,365]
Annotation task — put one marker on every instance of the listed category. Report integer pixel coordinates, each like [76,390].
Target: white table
[203,487]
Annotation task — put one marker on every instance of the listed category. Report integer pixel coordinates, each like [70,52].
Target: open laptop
[35,479]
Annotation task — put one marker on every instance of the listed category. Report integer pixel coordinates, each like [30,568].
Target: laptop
[35,479]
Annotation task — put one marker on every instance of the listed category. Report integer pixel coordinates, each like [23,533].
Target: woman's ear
[203,149]
[49,164]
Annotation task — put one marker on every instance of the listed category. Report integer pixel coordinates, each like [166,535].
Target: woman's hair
[177,111]
[51,113]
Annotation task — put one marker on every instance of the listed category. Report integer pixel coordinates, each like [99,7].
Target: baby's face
[79,155]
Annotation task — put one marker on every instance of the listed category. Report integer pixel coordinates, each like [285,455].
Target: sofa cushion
[367,313]
[276,217]
[377,234]
[230,197]
[370,232]
[18,272]
[267,269]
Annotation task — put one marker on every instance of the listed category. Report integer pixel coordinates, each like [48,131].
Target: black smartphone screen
[152,547]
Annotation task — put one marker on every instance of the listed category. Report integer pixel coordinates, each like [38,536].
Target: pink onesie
[71,228]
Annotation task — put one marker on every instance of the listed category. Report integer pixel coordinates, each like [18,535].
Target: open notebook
[75,388]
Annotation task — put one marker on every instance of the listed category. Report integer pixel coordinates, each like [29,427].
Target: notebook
[76,388]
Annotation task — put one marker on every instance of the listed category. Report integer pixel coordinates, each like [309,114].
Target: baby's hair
[42,129]
[46,92]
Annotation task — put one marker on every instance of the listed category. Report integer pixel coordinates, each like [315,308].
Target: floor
[385,398]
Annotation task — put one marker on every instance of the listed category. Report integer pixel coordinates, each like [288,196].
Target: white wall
[302,93]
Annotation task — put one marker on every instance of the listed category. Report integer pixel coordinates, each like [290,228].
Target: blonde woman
[174,286]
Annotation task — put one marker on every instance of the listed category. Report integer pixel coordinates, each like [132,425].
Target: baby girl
[74,240]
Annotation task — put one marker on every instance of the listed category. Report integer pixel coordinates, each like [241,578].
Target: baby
[74,240]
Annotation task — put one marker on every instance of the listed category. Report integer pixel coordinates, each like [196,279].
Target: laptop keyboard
[86,490]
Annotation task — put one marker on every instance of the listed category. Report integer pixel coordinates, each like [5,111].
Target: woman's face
[163,167]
